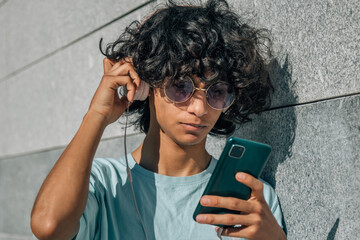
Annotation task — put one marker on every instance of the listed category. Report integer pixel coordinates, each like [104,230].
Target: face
[186,123]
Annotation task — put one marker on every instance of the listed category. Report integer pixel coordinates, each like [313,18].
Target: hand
[256,218]
[105,100]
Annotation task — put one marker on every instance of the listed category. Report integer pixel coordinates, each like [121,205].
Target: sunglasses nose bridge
[200,89]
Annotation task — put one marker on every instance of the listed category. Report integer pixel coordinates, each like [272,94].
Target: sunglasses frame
[204,90]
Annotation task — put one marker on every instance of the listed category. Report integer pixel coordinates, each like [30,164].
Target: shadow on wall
[331,235]
[276,126]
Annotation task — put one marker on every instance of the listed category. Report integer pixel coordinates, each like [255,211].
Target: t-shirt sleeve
[89,219]
[273,202]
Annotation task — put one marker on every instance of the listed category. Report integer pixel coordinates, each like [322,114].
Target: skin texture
[171,147]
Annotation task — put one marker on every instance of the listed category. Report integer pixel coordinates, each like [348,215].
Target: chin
[190,140]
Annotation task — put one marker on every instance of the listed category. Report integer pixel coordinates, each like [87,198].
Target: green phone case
[223,183]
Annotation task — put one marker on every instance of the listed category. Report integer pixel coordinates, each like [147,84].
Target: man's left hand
[256,218]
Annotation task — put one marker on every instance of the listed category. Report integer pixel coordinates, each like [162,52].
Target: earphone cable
[128,170]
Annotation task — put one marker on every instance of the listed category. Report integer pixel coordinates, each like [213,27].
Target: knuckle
[229,219]
[258,208]
[258,185]
[210,219]
[128,64]
[253,231]
[104,78]
[215,202]
[234,204]
[107,60]
[261,186]
[257,220]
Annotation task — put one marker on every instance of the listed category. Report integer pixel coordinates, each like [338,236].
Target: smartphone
[239,155]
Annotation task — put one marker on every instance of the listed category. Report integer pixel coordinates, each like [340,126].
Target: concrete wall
[50,67]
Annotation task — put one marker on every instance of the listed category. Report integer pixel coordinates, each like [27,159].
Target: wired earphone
[141,94]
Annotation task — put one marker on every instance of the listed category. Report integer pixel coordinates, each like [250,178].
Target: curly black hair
[208,40]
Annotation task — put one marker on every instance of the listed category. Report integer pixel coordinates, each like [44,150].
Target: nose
[197,104]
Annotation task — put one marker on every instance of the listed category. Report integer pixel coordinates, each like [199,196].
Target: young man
[206,71]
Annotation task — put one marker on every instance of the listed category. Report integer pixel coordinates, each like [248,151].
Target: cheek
[166,112]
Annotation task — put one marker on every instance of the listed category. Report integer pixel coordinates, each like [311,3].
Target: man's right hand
[105,100]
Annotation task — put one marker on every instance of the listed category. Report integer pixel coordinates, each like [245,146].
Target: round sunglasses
[219,95]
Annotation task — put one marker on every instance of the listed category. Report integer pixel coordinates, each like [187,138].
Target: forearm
[63,195]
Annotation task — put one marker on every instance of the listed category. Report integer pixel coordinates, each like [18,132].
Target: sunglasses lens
[179,91]
[220,95]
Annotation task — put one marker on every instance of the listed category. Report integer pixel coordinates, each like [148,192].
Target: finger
[255,184]
[135,77]
[226,219]
[114,67]
[114,82]
[131,90]
[129,60]
[125,69]
[239,232]
[122,62]
[226,202]
[107,64]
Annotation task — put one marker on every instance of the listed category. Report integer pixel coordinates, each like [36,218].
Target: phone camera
[236,151]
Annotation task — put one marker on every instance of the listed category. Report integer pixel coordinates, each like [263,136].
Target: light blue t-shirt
[166,204]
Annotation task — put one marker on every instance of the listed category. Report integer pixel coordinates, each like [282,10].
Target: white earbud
[141,94]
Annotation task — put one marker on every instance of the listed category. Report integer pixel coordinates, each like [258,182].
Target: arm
[63,195]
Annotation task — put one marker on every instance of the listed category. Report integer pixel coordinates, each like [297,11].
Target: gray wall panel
[314,166]
[31,29]
[55,92]
[314,178]
[315,161]
[21,178]
[318,41]
[49,100]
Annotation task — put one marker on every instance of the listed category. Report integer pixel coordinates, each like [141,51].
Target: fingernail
[205,200]
[240,176]
[201,218]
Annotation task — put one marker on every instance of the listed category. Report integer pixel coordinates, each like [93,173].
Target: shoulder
[107,165]
[107,172]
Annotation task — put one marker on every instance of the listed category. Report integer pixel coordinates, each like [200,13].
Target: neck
[158,153]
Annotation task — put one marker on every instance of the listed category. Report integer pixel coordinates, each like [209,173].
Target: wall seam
[6,157]
[33,63]
[39,151]
[314,101]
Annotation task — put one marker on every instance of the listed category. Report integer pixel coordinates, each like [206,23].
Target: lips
[192,126]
